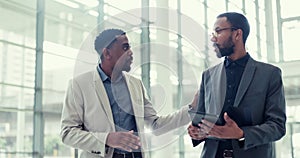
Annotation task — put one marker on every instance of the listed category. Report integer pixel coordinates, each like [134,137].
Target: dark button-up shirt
[120,102]
[234,71]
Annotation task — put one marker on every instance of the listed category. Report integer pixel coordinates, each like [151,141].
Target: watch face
[241,142]
[242,139]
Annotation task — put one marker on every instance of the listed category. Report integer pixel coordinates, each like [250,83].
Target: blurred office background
[44,43]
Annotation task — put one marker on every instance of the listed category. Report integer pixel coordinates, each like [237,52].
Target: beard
[226,50]
[123,64]
[127,68]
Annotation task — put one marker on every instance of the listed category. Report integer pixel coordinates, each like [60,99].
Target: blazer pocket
[254,93]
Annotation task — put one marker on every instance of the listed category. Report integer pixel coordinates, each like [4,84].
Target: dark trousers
[127,155]
[224,149]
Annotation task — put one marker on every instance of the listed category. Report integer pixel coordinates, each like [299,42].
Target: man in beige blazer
[106,110]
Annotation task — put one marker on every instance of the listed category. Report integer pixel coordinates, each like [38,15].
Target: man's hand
[123,140]
[196,133]
[229,131]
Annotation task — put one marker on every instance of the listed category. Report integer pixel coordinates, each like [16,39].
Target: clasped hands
[208,129]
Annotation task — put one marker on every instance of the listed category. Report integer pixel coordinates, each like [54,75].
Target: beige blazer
[87,117]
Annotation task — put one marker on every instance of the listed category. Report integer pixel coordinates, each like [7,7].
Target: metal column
[244,7]
[279,27]
[100,18]
[206,61]
[145,46]
[180,74]
[269,31]
[257,30]
[38,120]
[226,5]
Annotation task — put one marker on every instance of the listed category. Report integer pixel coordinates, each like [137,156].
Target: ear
[239,34]
[106,53]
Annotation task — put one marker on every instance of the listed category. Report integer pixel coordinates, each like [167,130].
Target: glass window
[16,97]
[18,20]
[235,5]
[289,9]
[17,68]
[290,43]
[14,143]
[70,27]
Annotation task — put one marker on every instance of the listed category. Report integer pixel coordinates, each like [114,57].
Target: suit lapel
[215,89]
[245,81]
[103,98]
[134,92]
[136,95]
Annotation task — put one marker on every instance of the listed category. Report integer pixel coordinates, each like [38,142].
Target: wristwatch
[241,142]
[242,139]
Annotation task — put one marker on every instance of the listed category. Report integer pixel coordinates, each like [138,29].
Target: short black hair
[238,21]
[106,38]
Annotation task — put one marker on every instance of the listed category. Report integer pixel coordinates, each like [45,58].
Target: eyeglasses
[216,32]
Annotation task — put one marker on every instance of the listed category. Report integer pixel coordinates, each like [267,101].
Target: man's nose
[129,52]
[213,39]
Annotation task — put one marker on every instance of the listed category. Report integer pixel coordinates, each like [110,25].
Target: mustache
[130,58]
[216,45]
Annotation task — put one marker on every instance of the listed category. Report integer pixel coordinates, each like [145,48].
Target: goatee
[226,51]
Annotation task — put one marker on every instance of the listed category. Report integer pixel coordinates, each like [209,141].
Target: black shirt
[234,71]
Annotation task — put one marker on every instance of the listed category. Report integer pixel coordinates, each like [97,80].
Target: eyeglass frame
[216,32]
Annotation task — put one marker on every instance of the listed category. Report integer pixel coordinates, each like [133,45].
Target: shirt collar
[104,77]
[241,62]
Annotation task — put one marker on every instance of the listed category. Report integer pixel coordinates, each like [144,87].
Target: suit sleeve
[73,132]
[273,126]
[163,124]
[200,107]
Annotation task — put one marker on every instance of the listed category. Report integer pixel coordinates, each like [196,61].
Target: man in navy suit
[247,95]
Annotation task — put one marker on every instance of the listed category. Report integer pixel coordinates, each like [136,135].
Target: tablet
[198,116]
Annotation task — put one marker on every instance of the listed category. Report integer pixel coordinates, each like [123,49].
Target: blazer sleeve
[163,124]
[200,107]
[273,126]
[73,132]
